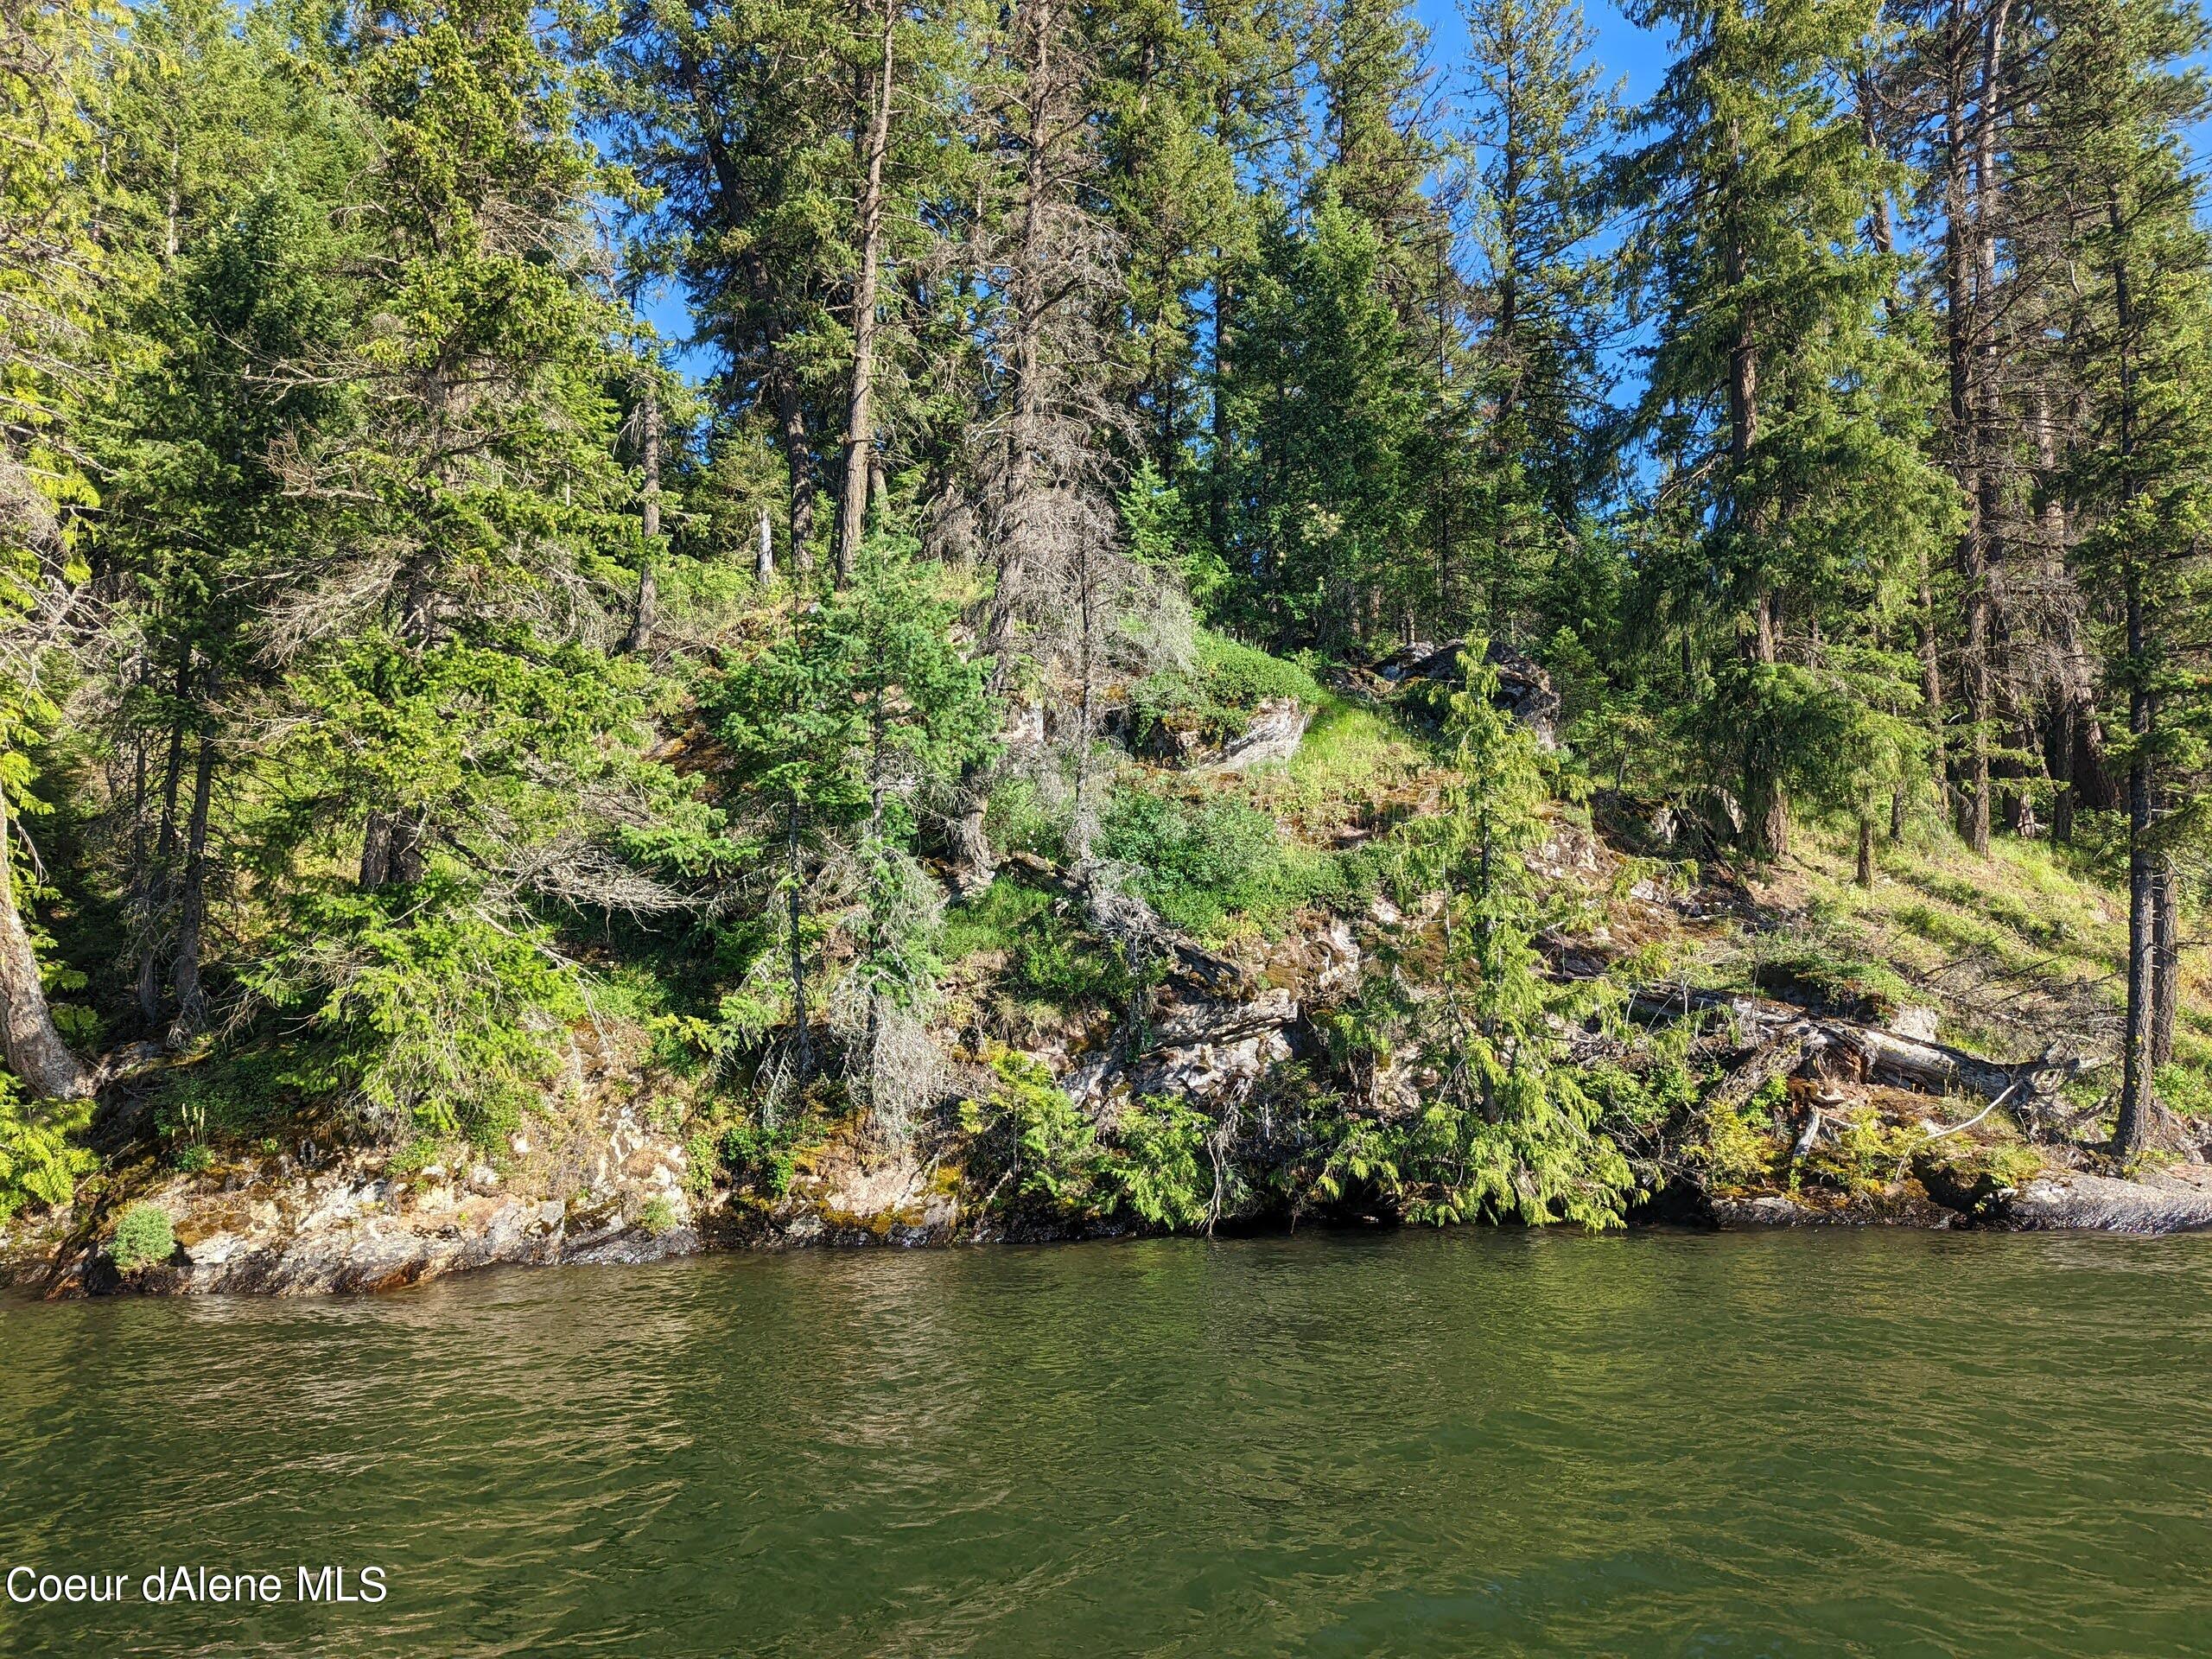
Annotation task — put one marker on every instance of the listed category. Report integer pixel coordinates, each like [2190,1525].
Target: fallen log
[1875,1055]
[1779,1057]
[1122,918]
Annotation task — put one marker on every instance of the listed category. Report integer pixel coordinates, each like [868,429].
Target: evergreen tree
[47,305]
[1507,1131]
[1542,121]
[838,729]
[2143,477]
[448,663]
[1331,416]
[1772,380]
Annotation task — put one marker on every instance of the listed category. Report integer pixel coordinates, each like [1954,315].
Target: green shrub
[1031,1138]
[1158,1168]
[143,1238]
[997,918]
[657,1214]
[39,1161]
[1051,959]
[1853,986]
[1018,819]
[703,1156]
[192,1158]
[1734,1147]
[1032,1142]
[764,1157]
[1215,697]
[1865,1153]
[415,1157]
[1199,864]
[433,1018]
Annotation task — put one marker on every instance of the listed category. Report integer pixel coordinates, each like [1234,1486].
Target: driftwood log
[1116,914]
[1776,1040]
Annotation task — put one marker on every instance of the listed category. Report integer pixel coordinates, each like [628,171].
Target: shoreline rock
[352,1240]
[2177,1199]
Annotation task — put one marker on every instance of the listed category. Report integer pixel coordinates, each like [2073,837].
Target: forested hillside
[1207,615]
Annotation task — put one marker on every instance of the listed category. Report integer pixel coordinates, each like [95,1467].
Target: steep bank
[1191,1047]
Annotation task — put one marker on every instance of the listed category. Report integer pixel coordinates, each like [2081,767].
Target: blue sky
[1636,57]
[1627,52]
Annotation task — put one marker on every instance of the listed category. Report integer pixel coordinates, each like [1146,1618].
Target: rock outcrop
[1274,731]
[1278,726]
[610,1191]
[1524,690]
[2177,1199]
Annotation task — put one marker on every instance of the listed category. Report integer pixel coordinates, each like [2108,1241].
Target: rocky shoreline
[603,1175]
[339,1231]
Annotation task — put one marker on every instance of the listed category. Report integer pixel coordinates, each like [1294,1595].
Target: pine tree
[1542,293]
[1170,178]
[228,159]
[837,730]
[1327,397]
[1772,380]
[1507,1132]
[454,702]
[2143,478]
[199,504]
[46,309]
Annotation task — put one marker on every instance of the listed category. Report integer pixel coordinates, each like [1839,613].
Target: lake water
[1455,1444]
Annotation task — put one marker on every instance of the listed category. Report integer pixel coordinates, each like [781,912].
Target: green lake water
[1456,1444]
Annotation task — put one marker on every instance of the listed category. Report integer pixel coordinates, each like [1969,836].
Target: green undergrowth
[1214,698]
[2011,951]
[1203,863]
[1037,950]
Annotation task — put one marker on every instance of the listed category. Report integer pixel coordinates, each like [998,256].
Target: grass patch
[1041,954]
[1214,698]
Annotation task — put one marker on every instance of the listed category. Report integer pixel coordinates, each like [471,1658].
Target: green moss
[1215,697]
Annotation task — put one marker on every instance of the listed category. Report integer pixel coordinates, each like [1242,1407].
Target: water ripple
[1415,1445]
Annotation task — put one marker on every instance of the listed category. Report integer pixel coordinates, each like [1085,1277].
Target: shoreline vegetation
[1143,657]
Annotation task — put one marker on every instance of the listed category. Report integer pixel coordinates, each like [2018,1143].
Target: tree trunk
[156,877]
[798,457]
[192,920]
[392,849]
[2142,720]
[1960,259]
[1224,308]
[1989,439]
[860,432]
[643,621]
[764,553]
[1766,813]
[1931,690]
[1865,875]
[796,944]
[33,1048]
[2165,961]
[376,850]
[973,865]
[2142,924]
[2058,757]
